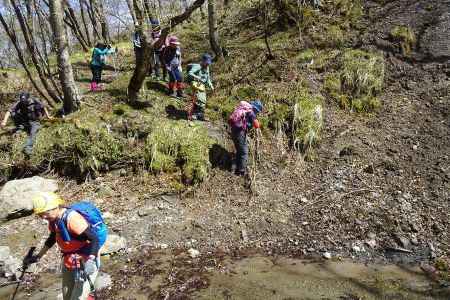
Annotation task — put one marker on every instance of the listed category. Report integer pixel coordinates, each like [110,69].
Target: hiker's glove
[31,260]
[90,266]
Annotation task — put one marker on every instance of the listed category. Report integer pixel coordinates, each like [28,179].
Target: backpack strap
[62,226]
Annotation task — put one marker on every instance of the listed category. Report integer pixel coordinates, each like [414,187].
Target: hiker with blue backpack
[241,121]
[199,77]
[80,232]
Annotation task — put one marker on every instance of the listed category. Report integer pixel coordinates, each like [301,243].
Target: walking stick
[24,268]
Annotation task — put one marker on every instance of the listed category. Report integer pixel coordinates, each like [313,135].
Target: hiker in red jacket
[172,62]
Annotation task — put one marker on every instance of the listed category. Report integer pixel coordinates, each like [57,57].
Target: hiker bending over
[199,76]
[172,62]
[98,62]
[26,113]
[79,231]
[241,120]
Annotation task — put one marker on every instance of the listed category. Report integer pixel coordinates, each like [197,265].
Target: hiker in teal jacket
[199,73]
[98,62]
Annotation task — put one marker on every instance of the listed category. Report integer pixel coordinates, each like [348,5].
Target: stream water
[262,277]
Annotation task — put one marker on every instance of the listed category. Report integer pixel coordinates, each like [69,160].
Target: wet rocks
[113,244]
[9,265]
[16,196]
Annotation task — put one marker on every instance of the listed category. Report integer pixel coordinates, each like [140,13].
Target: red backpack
[237,118]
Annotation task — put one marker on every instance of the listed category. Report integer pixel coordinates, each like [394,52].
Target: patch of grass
[176,143]
[358,81]
[305,56]
[307,121]
[406,38]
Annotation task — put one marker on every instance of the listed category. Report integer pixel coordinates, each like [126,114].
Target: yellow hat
[46,201]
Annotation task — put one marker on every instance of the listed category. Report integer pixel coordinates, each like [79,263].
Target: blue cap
[257,106]
[206,58]
[154,22]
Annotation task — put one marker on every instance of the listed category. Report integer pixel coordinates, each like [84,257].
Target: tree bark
[130,7]
[85,23]
[213,32]
[99,14]
[71,96]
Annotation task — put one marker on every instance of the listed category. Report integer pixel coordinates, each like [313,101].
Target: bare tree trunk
[99,14]
[71,21]
[130,7]
[71,97]
[93,18]
[29,40]
[83,18]
[142,61]
[12,36]
[213,32]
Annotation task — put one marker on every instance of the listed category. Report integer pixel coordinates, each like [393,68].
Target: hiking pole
[25,266]
[86,277]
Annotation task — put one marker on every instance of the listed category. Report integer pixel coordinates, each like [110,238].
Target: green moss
[406,38]
[305,56]
[177,142]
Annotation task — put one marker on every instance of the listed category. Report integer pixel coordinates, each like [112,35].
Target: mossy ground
[107,133]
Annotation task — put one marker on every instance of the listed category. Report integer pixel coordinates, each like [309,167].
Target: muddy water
[264,278]
[260,277]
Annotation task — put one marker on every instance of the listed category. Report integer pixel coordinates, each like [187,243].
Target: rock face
[16,196]
[113,244]
[9,265]
[436,39]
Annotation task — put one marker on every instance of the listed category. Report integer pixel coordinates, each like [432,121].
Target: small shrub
[176,143]
[362,73]
[358,81]
[307,121]
[405,36]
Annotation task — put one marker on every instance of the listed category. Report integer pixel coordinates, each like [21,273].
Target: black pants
[239,137]
[96,73]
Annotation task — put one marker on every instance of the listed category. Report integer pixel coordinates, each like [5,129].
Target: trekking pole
[86,277]
[24,268]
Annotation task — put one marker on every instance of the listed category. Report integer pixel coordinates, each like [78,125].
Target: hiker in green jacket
[200,78]
[98,62]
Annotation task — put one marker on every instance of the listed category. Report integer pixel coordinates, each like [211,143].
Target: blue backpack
[92,215]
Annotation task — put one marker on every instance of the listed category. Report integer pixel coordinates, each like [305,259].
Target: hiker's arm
[5,119]
[90,236]
[51,240]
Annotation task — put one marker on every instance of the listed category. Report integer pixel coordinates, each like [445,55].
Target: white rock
[371,243]
[304,200]
[16,196]
[356,249]
[113,244]
[102,281]
[163,246]
[327,255]
[193,253]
